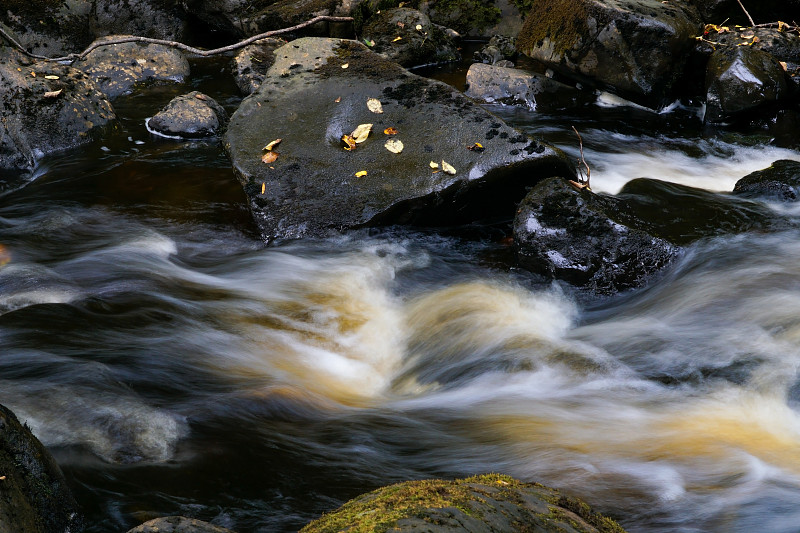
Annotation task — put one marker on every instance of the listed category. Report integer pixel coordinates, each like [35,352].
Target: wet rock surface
[406,36]
[251,63]
[740,79]
[488,503]
[34,497]
[634,48]
[495,84]
[192,115]
[45,107]
[178,524]
[117,68]
[317,91]
[780,181]
[499,48]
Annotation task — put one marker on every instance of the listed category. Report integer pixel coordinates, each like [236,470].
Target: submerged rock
[45,107]
[34,497]
[779,181]
[406,36]
[117,68]
[573,235]
[250,65]
[740,79]
[193,115]
[495,84]
[317,91]
[634,48]
[477,504]
[178,524]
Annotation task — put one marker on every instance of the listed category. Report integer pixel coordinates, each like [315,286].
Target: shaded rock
[784,46]
[424,46]
[164,19]
[779,181]
[50,28]
[717,11]
[117,68]
[740,79]
[250,65]
[573,235]
[34,497]
[498,48]
[178,524]
[510,22]
[310,101]
[190,116]
[495,84]
[634,48]
[467,17]
[477,504]
[37,119]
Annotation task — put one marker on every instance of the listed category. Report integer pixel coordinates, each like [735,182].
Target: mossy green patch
[561,21]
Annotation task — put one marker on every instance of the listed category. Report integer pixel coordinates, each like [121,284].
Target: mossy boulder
[117,68]
[45,107]
[50,28]
[779,181]
[34,496]
[486,503]
[251,63]
[739,80]
[178,524]
[634,48]
[407,36]
[189,116]
[317,91]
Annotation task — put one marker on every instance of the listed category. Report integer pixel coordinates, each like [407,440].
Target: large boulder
[189,116]
[34,496]
[161,19]
[740,79]
[478,504]
[51,28]
[634,48]
[503,85]
[406,36]
[251,63]
[731,12]
[178,524]
[45,107]
[117,68]
[779,181]
[321,89]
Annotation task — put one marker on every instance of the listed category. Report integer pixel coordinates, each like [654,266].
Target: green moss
[561,21]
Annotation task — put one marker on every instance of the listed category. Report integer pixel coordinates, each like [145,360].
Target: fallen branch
[752,22]
[71,58]
[584,179]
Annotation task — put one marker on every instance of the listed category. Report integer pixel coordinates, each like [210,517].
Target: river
[174,364]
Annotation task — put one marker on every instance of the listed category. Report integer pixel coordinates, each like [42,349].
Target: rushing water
[176,365]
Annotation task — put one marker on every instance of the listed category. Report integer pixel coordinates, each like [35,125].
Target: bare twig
[584,180]
[174,44]
[752,22]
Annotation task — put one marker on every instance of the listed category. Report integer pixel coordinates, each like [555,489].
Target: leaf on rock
[346,65]
[269,157]
[369,42]
[361,133]
[53,94]
[338,100]
[394,145]
[361,173]
[374,105]
[434,165]
[398,38]
[418,27]
[477,147]
[350,143]
[448,168]
[263,187]
[51,77]
[272,145]
[391,131]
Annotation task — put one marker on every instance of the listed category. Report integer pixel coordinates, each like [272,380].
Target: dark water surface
[176,365]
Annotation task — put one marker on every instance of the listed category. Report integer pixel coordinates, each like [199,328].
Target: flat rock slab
[45,107]
[116,68]
[317,91]
[34,497]
[480,504]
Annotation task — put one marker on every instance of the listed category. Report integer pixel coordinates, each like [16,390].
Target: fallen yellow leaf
[391,131]
[361,173]
[361,133]
[374,105]
[394,145]
[477,147]
[346,65]
[272,145]
[338,100]
[53,94]
[51,77]
[398,38]
[263,187]
[434,164]
[418,27]
[448,168]
[269,157]
[349,142]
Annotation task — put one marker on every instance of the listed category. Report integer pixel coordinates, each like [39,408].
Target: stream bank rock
[317,91]
[251,63]
[116,68]
[406,36]
[636,49]
[34,497]
[189,116]
[161,19]
[45,107]
[779,181]
[50,28]
[178,524]
[483,503]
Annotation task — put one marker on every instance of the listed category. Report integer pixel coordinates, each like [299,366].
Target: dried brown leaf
[53,94]
[269,157]
[391,131]
[350,143]
[394,145]
[374,105]
[361,133]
